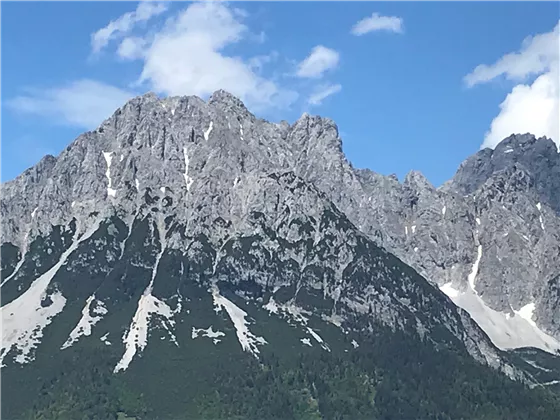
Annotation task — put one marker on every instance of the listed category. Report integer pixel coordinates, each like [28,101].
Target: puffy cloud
[186,57]
[125,23]
[538,54]
[84,103]
[533,106]
[528,108]
[376,22]
[322,92]
[131,48]
[319,61]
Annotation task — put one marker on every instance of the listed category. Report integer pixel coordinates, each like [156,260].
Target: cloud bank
[532,106]
[186,57]
[124,24]
[84,103]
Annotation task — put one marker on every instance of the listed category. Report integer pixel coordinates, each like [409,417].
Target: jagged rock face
[494,224]
[538,155]
[183,186]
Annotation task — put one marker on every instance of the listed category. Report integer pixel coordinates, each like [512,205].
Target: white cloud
[84,103]
[376,22]
[322,92]
[258,62]
[537,55]
[320,60]
[187,57]
[131,48]
[529,107]
[124,24]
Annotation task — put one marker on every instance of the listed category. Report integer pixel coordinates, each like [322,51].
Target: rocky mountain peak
[208,159]
[538,156]
[417,181]
[222,98]
[42,168]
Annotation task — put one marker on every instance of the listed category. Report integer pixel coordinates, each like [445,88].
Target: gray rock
[208,160]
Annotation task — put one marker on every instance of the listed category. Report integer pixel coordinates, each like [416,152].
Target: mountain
[489,238]
[189,260]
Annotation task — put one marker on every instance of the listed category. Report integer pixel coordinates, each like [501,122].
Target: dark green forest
[391,377]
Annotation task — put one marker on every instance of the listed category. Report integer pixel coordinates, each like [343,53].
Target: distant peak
[316,119]
[222,97]
[518,139]
[417,179]
[520,143]
[146,97]
[149,95]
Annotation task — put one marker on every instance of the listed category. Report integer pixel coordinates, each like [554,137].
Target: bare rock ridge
[240,197]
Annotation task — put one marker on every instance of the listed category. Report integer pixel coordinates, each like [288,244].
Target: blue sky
[398,78]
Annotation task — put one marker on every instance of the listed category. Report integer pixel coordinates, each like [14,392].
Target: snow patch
[306,341]
[536,366]
[86,322]
[173,111]
[526,312]
[137,183]
[148,305]
[508,150]
[208,332]
[297,313]
[271,306]
[406,230]
[449,290]
[188,179]
[24,318]
[137,337]
[474,271]
[355,344]
[300,315]
[241,131]
[506,331]
[162,189]
[208,131]
[555,382]
[121,159]
[105,340]
[444,210]
[34,212]
[318,338]
[539,207]
[413,227]
[478,221]
[108,158]
[237,315]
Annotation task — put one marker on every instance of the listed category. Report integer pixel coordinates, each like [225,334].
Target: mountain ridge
[173,206]
[310,147]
